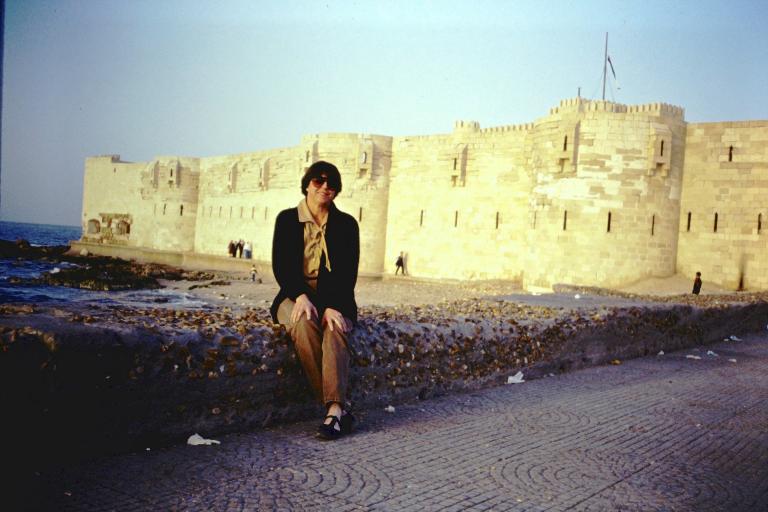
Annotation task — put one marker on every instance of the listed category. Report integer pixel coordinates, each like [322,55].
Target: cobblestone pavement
[658,433]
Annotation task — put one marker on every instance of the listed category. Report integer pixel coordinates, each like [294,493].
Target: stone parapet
[585,105]
[109,386]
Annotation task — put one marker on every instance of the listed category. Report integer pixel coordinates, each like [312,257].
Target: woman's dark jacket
[335,289]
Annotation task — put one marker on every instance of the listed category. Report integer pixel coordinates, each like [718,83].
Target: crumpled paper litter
[198,440]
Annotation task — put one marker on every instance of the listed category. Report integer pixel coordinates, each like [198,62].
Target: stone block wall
[604,204]
[457,203]
[166,214]
[364,162]
[110,187]
[241,195]
[726,176]
[146,204]
[595,193]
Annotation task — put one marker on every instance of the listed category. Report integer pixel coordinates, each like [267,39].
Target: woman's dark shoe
[346,423]
[328,431]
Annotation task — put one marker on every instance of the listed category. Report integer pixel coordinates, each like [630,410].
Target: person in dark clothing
[697,284]
[231,248]
[239,248]
[399,264]
[315,255]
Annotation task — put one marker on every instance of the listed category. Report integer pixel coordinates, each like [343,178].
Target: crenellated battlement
[657,108]
[508,128]
[569,105]
[412,138]
[474,127]
[466,126]
[585,105]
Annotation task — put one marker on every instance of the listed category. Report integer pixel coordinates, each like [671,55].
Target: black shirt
[335,289]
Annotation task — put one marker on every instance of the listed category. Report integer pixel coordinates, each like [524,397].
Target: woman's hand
[334,319]
[303,306]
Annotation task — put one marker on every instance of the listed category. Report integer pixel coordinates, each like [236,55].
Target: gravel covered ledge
[78,383]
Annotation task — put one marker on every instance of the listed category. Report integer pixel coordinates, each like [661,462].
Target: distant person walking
[697,284]
[315,255]
[253,273]
[231,248]
[248,250]
[400,264]
[240,245]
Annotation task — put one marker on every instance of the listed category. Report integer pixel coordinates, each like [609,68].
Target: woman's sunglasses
[318,182]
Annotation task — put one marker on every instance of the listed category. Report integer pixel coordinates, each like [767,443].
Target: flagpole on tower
[605,63]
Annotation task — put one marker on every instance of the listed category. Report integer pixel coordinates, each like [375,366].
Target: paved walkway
[658,433]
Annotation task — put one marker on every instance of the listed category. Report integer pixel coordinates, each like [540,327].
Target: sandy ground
[674,285]
[387,292]
[241,292]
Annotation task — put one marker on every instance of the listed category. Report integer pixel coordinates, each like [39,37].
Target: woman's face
[318,191]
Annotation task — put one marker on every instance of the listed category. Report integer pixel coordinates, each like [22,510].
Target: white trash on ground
[198,440]
[691,356]
[711,353]
[389,408]
[735,338]
[516,378]
[732,360]
[661,353]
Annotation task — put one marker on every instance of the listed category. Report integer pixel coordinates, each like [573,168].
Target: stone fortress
[596,193]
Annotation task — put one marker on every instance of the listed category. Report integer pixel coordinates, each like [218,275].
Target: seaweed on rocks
[94,272]
[21,249]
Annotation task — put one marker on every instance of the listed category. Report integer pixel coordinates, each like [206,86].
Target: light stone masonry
[595,193]
[728,185]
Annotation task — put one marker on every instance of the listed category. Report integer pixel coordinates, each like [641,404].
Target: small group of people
[240,249]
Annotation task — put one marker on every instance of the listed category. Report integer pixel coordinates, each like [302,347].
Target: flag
[612,71]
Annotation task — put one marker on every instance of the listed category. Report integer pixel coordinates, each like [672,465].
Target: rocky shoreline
[111,379]
[89,272]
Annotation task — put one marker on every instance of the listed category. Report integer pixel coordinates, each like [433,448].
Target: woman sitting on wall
[315,254]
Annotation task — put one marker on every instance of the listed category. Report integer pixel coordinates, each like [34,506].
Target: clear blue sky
[200,78]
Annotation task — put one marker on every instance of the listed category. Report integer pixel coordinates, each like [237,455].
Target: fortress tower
[605,197]
[147,204]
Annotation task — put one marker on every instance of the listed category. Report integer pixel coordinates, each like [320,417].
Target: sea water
[39,234]
[47,235]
